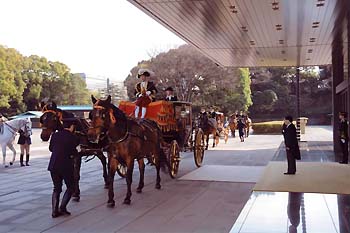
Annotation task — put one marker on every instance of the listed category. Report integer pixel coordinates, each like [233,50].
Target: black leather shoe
[56,214]
[64,212]
[289,173]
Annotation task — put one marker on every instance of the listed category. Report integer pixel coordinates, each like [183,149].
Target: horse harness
[13,130]
[127,131]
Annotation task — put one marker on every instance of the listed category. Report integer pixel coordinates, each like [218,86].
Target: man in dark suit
[145,92]
[63,147]
[290,140]
[344,137]
[170,94]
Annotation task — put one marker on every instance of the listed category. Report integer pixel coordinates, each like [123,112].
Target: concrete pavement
[180,206]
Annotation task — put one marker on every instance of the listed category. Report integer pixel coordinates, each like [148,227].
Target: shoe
[27,160]
[66,198]
[343,162]
[289,173]
[55,201]
[21,160]
[64,212]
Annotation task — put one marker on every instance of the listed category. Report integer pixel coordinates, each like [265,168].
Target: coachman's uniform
[145,92]
[141,89]
[63,147]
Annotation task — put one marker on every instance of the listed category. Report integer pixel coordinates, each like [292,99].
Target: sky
[102,38]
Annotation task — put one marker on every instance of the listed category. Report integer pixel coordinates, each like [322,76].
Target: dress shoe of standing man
[291,142]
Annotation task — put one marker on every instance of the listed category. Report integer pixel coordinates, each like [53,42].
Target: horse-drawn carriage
[179,132]
[167,131]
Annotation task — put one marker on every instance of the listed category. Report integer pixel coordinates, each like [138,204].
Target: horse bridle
[58,114]
[105,131]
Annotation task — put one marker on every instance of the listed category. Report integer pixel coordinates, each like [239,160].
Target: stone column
[338,77]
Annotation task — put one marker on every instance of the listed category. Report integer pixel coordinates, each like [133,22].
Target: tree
[25,81]
[196,79]
[244,88]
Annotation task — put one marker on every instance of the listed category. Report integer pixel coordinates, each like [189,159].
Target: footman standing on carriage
[145,92]
[63,147]
[170,94]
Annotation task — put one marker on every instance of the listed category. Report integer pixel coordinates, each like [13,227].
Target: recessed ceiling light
[313,39]
[275,5]
[315,24]
[244,29]
[278,27]
[320,3]
[233,9]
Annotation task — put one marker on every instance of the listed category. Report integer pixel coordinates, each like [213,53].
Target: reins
[13,129]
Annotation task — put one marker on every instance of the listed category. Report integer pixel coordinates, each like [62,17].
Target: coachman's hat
[144,72]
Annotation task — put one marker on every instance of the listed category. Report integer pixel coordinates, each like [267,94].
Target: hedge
[269,127]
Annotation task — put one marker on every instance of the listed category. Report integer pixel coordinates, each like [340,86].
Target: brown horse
[52,119]
[233,124]
[130,139]
[209,126]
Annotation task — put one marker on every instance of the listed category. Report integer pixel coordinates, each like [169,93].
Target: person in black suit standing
[170,94]
[344,137]
[290,140]
[63,147]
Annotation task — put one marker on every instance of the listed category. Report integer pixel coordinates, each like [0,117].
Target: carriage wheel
[174,158]
[199,147]
[121,170]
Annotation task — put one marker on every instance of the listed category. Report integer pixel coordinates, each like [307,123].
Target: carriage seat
[161,112]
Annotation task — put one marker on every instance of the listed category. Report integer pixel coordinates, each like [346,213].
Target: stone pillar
[338,77]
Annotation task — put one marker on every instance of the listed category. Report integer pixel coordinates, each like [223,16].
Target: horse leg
[77,165]
[206,147]
[4,155]
[104,167]
[158,186]
[113,163]
[130,168]
[142,175]
[10,145]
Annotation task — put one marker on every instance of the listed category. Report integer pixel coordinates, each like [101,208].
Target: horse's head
[27,127]
[50,120]
[102,118]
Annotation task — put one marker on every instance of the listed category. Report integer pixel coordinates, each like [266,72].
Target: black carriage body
[183,131]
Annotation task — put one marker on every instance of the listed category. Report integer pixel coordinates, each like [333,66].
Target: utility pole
[108,87]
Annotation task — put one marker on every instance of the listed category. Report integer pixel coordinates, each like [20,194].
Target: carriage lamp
[184,113]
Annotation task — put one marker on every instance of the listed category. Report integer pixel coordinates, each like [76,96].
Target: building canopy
[248,33]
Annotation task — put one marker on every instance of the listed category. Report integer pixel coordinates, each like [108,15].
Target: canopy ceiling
[247,33]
